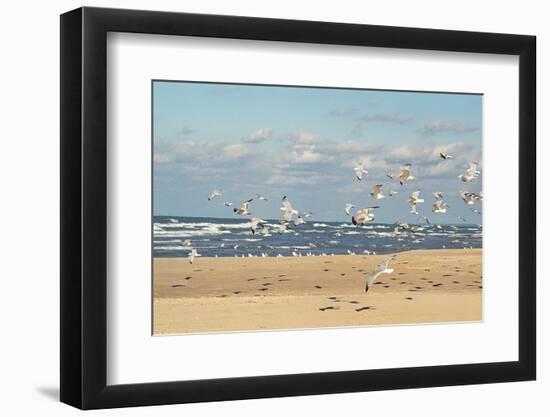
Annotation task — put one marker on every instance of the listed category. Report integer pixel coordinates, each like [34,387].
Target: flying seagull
[254,223]
[439,207]
[438,195]
[392,193]
[471,173]
[415,199]
[348,207]
[227,204]
[287,209]
[405,174]
[260,197]
[381,268]
[185,242]
[243,210]
[192,255]
[213,194]
[444,155]
[470,198]
[364,215]
[377,192]
[390,176]
[359,171]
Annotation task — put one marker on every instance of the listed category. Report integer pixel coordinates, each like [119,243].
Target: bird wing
[405,172]
[245,204]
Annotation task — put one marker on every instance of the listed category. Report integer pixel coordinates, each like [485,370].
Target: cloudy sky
[304,143]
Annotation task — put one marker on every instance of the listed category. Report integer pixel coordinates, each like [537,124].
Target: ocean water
[230,237]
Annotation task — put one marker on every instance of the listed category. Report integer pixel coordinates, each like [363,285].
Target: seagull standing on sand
[471,173]
[243,210]
[405,174]
[377,192]
[287,210]
[213,194]
[359,171]
[364,215]
[415,199]
[192,255]
[381,268]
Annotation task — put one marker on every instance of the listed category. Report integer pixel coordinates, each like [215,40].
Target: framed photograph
[258,208]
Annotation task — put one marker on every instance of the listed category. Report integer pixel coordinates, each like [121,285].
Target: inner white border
[134,356]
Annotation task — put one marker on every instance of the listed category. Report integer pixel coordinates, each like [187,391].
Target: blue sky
[304,142]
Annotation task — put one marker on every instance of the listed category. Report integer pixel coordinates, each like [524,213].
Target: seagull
[260,197]
[235,247]
[172,220]
[377,192]
[444,155]
[185,242]
[470,198]
[381,268]
[283,226]
[438,195]
[364,215]
[192,255]
[392,193]
[390,176]
[264,231]
[426,219]
[439,207]
[243,210]
[254,223]
[287,209]
[415,199]
[359,171]
[213,194]
[299,220]
[405,174]
[348,207]
[471,173]
[227,204]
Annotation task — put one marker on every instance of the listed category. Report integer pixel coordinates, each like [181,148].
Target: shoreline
[227,294]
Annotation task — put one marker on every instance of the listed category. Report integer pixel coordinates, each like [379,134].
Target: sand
[244,294]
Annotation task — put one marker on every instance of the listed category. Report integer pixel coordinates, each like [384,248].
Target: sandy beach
[245,294]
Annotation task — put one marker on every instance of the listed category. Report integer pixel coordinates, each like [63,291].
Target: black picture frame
[84,207]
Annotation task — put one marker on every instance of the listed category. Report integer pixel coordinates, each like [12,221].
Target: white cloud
[385,118]
[439,126]
[236,151]
[304,136]
[259,135]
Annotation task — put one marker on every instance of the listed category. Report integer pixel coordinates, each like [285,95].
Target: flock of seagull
[364,215]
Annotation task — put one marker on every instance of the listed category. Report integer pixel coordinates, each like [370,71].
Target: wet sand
[242,294]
